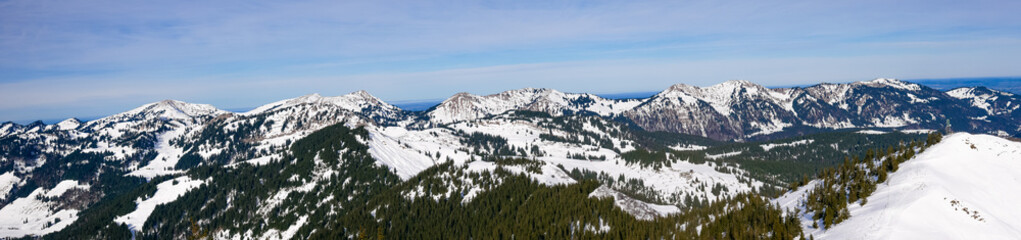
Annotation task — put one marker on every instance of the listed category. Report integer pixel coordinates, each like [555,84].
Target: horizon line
[607,95]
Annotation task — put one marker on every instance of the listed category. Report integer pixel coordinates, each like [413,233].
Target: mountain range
[172,169]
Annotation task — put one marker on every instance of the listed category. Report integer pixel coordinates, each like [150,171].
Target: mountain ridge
[295,157]
[745,109]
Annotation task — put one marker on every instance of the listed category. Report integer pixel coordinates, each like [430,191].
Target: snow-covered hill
[964,187]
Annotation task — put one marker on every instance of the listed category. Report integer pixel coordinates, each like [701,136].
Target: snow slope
[965,187]
[166,192]
[33,215]
[7,182]
[167,157]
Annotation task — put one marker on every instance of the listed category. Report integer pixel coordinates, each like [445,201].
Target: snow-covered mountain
[732,109]
[960,188]
[465,106]
[311,155]
[360,101]
[742,110]
[994,102]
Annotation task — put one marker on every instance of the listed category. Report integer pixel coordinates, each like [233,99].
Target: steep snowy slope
[961,188]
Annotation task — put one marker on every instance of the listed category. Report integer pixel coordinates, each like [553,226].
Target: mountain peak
[461,95]
[362,94]
[975,91]
[890,82]
[737,82]
[884,80]
[354,101]
[530,90]
[731,85]
[727,87]
[308,98]
[67,124]
[681,87]
[173,109]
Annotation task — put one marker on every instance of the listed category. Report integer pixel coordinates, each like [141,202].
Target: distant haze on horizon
[96,58]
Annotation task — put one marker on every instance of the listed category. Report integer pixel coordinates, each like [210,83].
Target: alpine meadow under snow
[732,160]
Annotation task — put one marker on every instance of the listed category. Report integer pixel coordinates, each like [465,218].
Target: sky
[61,59]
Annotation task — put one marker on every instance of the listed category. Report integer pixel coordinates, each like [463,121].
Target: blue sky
[62,59]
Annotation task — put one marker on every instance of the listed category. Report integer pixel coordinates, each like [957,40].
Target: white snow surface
[167,156]
[980,99]
[917,131]
[7,182]
[639,209]
[926,198]
[32,215]
[404,150]
[170,109]
[354,101]
[275,234]
[890,82]
[166,192]
[687,147]
[768,146]
[68,124]
[63,186]
[723,155]
[874,132]
[721,96]
[466,106]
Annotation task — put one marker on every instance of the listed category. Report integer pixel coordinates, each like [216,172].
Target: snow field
[166,192]
[960,188]
[33,215]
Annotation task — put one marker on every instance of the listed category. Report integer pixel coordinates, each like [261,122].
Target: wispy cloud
[60,55]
